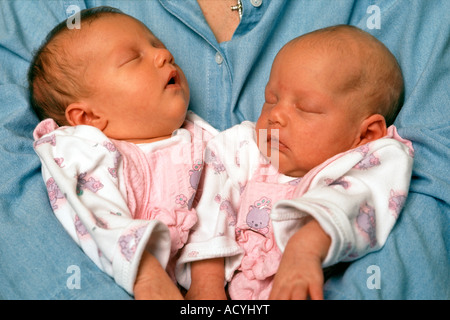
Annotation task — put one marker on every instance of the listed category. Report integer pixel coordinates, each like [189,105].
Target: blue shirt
[227,82]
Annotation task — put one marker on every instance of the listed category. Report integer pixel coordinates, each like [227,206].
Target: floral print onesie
[117,199]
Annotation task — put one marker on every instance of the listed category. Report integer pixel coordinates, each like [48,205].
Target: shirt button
[256,3]
[218,58]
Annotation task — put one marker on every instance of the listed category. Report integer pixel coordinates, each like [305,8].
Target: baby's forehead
[346,50]
[71,41]
[93,24]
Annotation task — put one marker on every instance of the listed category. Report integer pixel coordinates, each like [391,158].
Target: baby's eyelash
[129,59]
[306,110]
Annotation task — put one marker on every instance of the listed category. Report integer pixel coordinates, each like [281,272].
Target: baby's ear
[79,113]
[371,129]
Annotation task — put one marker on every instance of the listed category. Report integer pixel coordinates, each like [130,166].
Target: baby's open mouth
[173,79]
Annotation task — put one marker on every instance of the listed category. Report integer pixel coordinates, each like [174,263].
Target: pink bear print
[113,172]
[338,182]
[194,179]
[90,184]
[59,162]
[193,254]
[396,202]
[366,222]
[80,228]
[227,207]
[242,187]
[128,243]
[211,159]
[54,193]
[258,215]
[112,148]
[368,161]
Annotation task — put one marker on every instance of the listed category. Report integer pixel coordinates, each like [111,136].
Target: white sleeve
[214,234]
[82,170]
[356,198]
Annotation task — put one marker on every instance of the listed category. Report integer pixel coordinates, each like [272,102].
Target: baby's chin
[282,165]
[294,173]
[287,168]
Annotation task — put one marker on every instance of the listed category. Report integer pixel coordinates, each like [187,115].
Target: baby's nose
[162,57]
[278,115]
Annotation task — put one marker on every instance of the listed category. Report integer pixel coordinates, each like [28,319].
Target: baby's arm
[300,273]
[153,282]
[208,280]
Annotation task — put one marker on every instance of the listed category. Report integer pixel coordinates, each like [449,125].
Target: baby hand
[299,277]
[300,274]
[153,282]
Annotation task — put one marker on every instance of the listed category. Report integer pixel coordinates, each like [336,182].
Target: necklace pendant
[238,8]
